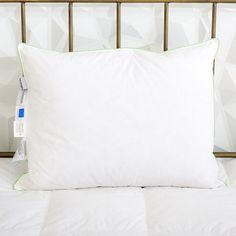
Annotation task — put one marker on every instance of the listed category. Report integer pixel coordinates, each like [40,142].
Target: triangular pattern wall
[142,27]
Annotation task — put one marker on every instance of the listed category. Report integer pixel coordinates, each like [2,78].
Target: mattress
[130,211]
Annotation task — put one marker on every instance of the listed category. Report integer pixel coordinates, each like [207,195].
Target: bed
[132,211]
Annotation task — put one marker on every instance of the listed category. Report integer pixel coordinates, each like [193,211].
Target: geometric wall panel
[189,24]
[47,26]
[9,71]
[142,27]
[225,79]
[94,26]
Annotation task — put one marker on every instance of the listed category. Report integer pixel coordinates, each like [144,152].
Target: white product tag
[19,128]
[20,154]
[19,123]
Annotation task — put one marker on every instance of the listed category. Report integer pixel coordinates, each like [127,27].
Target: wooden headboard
[118,28]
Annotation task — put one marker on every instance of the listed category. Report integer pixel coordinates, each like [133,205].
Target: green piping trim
[192,46]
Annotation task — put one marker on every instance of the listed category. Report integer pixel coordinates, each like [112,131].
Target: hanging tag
[19,123]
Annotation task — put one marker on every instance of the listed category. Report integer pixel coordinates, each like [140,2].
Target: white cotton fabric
[121,117]
[129,211]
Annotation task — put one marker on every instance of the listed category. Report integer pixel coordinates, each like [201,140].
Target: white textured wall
[142,26]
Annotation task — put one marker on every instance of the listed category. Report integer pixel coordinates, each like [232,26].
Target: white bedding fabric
[117,211]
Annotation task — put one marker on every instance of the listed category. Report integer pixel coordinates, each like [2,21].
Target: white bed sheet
[119,212]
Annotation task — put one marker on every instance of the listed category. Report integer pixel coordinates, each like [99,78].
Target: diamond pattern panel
[142,27]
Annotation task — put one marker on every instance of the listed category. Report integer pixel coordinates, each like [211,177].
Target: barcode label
[19,129]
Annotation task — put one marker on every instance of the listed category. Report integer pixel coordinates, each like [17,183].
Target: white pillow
[123,117]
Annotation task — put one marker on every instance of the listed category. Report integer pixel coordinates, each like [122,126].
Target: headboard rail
[23,5]
[119,1]
[217,154]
